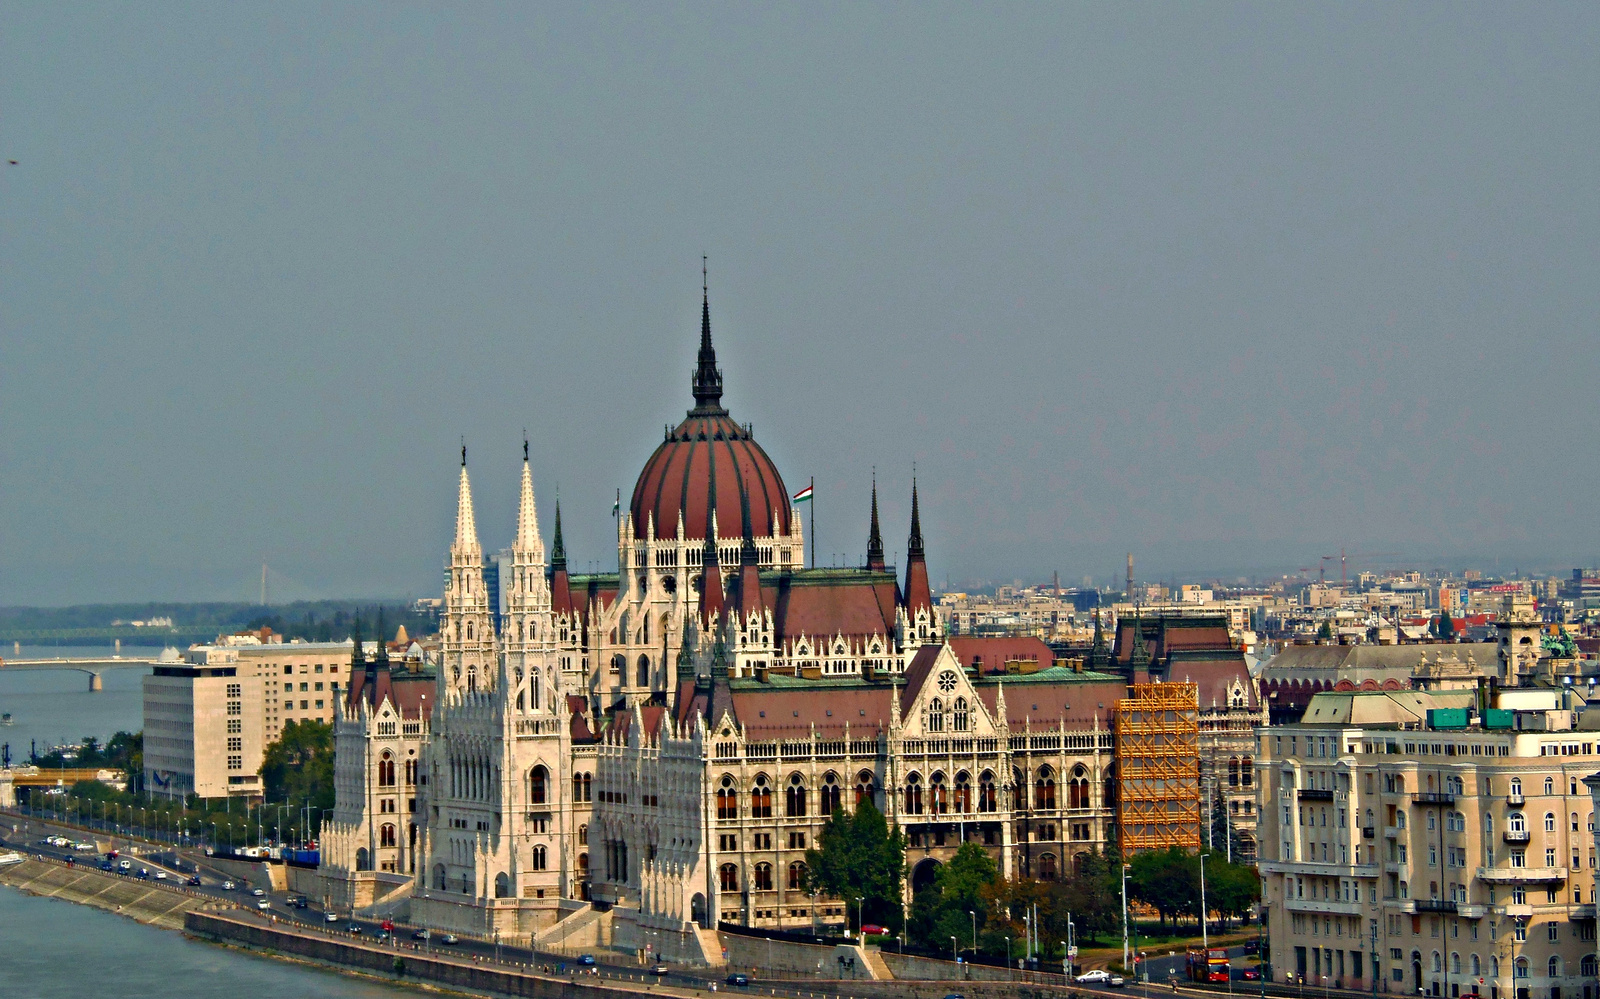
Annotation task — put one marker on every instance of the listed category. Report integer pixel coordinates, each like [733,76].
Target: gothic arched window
[761,798]
[538,781]
[386,770]
[914,794]
[795,797]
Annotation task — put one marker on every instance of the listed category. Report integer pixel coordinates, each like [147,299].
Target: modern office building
[202,731]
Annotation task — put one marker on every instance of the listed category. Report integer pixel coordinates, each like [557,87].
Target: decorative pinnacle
[707,381]
[875,536]
[914,551]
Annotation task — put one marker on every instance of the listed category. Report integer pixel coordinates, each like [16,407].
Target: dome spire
[707,382]
[466,524]
[875,538]
[914,548]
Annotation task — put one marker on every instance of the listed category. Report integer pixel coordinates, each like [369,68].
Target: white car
[84,847]
[258,892]
[161,875]
[332,917]
[264,904]
[1097,975]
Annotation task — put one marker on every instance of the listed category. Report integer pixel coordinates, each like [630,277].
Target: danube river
[55,706]
[58,950]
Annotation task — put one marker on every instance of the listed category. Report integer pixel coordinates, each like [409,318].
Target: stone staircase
[872,959]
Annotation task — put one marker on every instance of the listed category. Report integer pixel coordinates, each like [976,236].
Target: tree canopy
[857,857]
[962,886]
[299,766]
[1169,882]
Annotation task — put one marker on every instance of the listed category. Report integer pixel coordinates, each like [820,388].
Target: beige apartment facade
[202,731]
[1436,846]
[300,681]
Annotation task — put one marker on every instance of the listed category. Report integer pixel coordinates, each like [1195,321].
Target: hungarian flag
[803,496]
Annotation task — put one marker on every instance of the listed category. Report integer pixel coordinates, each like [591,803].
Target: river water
[59,950]
[54,706]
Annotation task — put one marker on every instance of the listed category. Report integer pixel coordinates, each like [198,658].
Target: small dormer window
[763,714]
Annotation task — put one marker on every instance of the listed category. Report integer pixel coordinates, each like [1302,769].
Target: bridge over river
[93,666]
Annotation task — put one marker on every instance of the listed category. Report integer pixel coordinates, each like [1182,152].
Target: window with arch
[863,787]
[583,834]
[1516,823]
[935,715]
[831,793]
[727,798]
[1047,867]
[538,785]
[1574,821]
[938,795]
[914,794]
[962,801]
[987,798]
[642,677]
[1549,821]
[583,863]
[539,858]
[438,877]
[1044,789]
[582,787]
[1549,785]
[386,769]
[761,798]
[1516,787]
[1233,772]
[1438,965]
[1590,967]
[386,835]
[1554,967]
[1520,969]
[1455,964]
[794,797]
[797,875]
[1078,790]
[728,877]
[763,873]
[502,886]
[959,716]
[1476,966]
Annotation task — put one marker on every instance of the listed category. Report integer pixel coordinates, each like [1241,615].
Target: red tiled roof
[1047,703]
[410,693]
[850,609]
[791,711]
[676,481]
[1215,677]
[994,653]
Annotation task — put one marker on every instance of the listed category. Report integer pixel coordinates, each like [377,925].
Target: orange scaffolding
[1158,767]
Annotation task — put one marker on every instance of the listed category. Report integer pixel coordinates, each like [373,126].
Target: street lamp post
[1205,940]
[860,933]
[1125,869]
[953,955]
[974,916]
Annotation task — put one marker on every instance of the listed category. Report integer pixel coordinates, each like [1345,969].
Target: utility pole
[1205,940]
[1373,976]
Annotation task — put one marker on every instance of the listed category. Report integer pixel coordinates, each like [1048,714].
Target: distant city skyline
[1229,286]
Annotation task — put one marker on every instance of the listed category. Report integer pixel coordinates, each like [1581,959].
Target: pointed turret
[466,523]
[528,539]
[1099,655]
[382,658]
[1139,657]
[875,536]
[750,601]
[560,584]
[711,599]
[707,380]
[919,595]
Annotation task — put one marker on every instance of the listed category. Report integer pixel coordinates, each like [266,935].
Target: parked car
[1094,976]
[874,929]
[587,960]
[738,978]
[1116,982]
[449,939]
[1252,946]
[124,866]
[106,865]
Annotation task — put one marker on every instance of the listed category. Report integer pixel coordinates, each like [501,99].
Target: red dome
[677,480]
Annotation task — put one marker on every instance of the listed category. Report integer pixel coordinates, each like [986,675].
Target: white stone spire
[466,524]
[528,539]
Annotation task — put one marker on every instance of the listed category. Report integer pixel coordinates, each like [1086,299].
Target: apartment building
[1432,842]
[300,681]
[202,731]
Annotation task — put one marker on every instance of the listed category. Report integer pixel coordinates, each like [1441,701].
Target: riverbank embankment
[148,902]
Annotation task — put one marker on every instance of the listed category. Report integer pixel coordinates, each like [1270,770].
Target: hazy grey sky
[1229,286]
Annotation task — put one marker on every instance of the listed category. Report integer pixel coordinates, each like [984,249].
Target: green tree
[1325,630]
[1444,627]
[1167,881]
[299,766]
[858,857]
[941,910]
[1231,889]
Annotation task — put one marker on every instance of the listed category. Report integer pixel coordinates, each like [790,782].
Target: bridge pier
[95,683]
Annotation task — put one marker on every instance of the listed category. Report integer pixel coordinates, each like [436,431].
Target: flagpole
[811,501]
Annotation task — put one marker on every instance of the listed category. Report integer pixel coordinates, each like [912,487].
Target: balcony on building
[1516,800]
[1327,905]
[1515,875]
[1368,832]
[1581,913]
[1433,798]
[1435,905]
[1469,911]
[1316,794]
[1517,835]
